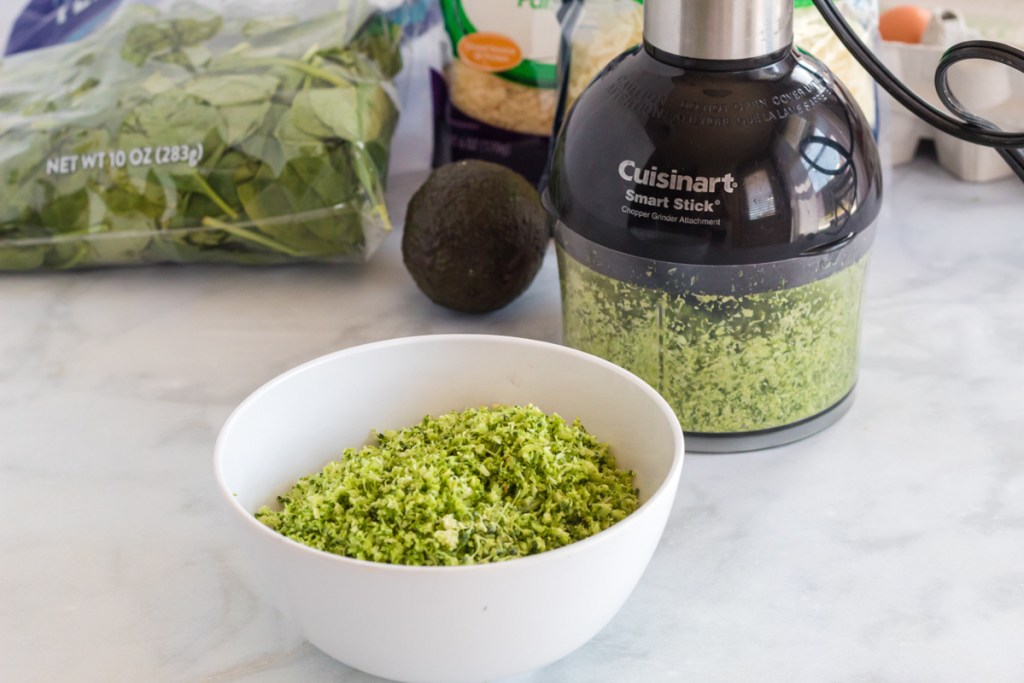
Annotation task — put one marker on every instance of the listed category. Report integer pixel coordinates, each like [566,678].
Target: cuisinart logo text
[673,180]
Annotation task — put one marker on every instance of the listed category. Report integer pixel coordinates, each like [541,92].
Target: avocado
[475,236]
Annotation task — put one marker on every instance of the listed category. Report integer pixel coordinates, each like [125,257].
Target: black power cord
[968,126]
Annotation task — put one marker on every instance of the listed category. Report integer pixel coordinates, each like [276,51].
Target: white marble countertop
[888,548]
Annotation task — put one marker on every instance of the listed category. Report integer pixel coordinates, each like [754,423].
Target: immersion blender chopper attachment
[715,194]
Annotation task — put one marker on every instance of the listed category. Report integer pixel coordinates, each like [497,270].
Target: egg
[904,24]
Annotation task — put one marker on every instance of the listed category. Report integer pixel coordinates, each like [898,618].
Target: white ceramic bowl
[446,624]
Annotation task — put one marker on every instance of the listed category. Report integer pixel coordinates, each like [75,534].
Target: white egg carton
[989,90]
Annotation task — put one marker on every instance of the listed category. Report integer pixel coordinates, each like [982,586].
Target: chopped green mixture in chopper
[725,363]
[481,485]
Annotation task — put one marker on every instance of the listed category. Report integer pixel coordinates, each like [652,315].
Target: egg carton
[987,89]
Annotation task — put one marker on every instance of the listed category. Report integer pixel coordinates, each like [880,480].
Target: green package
[184,135]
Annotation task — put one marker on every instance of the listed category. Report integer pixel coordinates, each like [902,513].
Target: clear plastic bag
[422,55]
[200,132]
[812,35]
[600,31]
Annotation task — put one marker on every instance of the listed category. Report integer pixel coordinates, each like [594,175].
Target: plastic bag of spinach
[183,133]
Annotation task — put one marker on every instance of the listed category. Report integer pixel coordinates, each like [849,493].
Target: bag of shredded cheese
[597,31]
[497,98]
[812,35]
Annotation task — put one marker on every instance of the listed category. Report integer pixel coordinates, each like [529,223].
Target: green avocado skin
[475,236]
